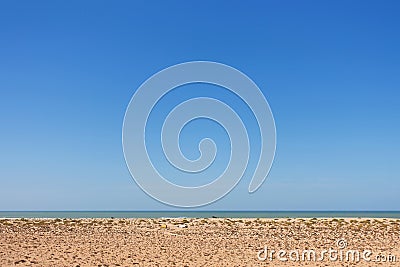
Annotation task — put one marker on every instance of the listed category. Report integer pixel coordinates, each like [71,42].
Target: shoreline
[200,214]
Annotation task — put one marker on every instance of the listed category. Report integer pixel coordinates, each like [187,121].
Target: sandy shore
[199,242]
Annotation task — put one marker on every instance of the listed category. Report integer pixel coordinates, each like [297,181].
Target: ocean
[200,214]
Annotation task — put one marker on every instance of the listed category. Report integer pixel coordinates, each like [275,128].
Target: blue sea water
[200,214]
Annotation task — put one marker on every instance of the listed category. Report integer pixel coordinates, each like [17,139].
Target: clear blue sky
[329,69]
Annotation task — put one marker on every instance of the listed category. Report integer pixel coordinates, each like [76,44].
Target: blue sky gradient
[329,69]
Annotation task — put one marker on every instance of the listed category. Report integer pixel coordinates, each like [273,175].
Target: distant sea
[200,214]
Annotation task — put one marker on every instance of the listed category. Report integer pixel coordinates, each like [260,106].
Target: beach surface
[200,242]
